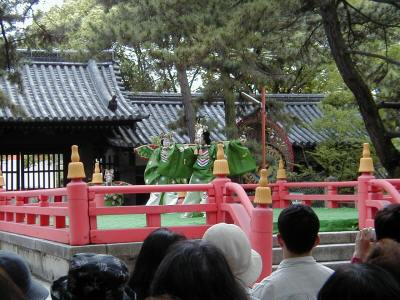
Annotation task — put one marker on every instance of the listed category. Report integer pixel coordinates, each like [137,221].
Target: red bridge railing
[70,215]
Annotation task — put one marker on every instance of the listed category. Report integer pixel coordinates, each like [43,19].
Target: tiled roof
[68,92]
[163,109]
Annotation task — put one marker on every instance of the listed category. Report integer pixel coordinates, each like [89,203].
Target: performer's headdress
[158,139]
[169,135]
[202,133]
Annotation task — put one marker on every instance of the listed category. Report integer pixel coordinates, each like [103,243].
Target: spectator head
[196,270]
[93,276]
[245,263]
[151,254]
[386,254]
[9,290]
[18,271]
[360,281]
[298,227]
[387,223]
[163,297]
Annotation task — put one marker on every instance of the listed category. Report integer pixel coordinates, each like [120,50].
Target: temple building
[65,102]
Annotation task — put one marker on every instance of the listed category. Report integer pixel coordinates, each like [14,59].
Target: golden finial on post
[221,167]
[75,167]
[1,179]
[97,175]
[263,192]
[281,174]
[366,162]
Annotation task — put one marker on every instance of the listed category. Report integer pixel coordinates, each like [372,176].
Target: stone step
[343,237]
[323,253]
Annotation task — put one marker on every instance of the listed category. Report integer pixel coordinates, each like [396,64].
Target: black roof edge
[173,97]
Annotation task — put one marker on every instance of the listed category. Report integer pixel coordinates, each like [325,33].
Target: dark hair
[386,254]
[360,281]
[9,290]
[163,297]
[196,270]
[387,223]
[298,226]
[206,137]
[151,254]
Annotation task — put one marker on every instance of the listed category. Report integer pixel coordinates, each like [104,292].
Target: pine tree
[12,14]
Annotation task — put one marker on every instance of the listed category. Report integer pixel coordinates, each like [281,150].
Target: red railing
[74,221]
[45,219]
[153,213]
[257,221]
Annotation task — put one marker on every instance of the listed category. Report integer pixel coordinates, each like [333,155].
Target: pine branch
[385,58]
[394,105]
[395,3]
[357,10]
[6,45]
[194,77]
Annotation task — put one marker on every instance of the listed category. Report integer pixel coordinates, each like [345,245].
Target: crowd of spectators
[223,266]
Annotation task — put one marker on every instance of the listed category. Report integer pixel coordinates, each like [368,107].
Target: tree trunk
[230,110]
[187,100]
[387,153]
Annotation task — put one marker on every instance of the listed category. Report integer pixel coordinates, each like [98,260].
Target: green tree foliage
[84,26]
[339,153]
[349,49]
[12,14]
[363,39]
[166,31]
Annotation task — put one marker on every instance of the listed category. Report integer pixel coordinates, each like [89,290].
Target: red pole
[263,127]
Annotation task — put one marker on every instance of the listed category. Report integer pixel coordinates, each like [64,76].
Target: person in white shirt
[299,276]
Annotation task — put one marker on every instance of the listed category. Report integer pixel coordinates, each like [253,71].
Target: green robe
[239,158]
[240,161]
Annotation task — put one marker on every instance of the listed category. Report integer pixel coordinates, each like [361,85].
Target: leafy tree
[363,39]
[165,29]
[12,14]
[83,26]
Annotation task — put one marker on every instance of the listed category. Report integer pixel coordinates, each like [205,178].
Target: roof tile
[67,91]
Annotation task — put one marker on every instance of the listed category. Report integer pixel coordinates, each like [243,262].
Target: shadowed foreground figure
[154,249]
[196,270]
[360,281]
[387,226]
[8,289]
[95,277]
[18,271]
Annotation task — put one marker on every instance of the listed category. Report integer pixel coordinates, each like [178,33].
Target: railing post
[221,171]
[97,179]
[275,196]
[3,200]
[211,217]
[261,227]
[44,220]
[281,182]
[366,169]
[19,218]
[78,206]
[331,191]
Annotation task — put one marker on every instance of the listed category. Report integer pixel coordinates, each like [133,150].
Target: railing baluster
[9,215]
[44,220]
[19,217]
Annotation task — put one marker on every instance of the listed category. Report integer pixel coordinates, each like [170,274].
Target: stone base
[50,260]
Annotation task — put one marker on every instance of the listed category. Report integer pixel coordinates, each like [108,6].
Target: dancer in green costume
[169,164]
[240,161]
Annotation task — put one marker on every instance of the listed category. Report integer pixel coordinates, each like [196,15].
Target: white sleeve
[263,290]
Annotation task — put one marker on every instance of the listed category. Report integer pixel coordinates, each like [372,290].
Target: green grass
[339,219]
[130,221]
